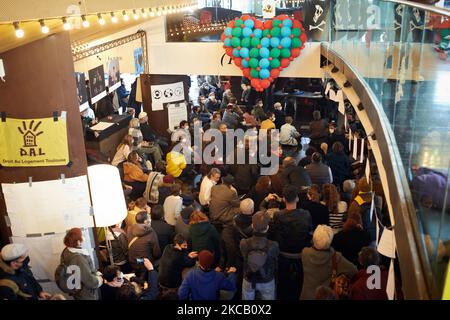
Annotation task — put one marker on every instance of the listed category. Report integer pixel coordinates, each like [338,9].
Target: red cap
[206,259]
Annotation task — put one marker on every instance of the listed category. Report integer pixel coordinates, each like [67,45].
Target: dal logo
[30,134]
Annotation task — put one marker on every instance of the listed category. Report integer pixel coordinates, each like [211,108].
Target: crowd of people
[224,231]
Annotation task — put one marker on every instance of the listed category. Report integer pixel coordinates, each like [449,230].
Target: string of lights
[215,26]
[127,15]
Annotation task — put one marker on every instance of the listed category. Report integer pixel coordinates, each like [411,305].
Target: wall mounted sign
[262,49]
[34,142]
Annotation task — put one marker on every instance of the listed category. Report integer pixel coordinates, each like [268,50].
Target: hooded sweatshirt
[203,236]
[145,246]
[205,285]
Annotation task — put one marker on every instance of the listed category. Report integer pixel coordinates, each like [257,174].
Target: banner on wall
[166,93]
[139,60]
[268,9]
[113,74]
[177,112]
[97,83]
[316,16]
[34,142]
[81,90]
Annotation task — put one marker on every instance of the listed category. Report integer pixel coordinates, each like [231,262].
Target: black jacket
[259,241]
[296,176]
[292,230]
[232,236]
[349,243]
[147,132]
[145,246]
[23,278]
[105,107]
[340,167]
[280,118]
[171,266]
[204,236]
[245,176]
[319,213]
[164,231]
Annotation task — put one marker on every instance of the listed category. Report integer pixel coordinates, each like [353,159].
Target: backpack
[62,278]
[364,211]
[339,283]
[256,260]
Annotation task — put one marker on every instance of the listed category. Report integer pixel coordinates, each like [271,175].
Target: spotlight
[101,21]
[66,24]
[85,22]
[135,15]
[144,13]
[125,15]
[44,28]
[19,31]
[113,18]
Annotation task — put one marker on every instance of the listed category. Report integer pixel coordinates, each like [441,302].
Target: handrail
[421,6]
[413,262]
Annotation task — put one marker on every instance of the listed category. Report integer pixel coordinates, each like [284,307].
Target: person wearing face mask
[280,115]
[269,122]
[112,280]
[75,255]
[334,136]
[16,278]
[212,104]
[258,110]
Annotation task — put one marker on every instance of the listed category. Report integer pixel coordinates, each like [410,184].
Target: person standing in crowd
[319,213]
[165,188]
[105,108]
[320,173]
[292,229]
[122,151]
[347,190]
[246,174]
[173,205]
[261,190]
[208,182]
[143,242]
[336,208]
[174,260]
[75,255]
[295,175]
[164,231]
[132,103]
[308,155]
[204,283]
[182,225]
[258,110]
[203,235]
[119,247]
[318,263]
[212,104]
[351,239]
[112,281]
[334,136]
[123,95]
[224,204]
[339,164]
[288,134]
[17,281]
[319,129]
[280,115]
[139,205]
[268,123]
[260,260]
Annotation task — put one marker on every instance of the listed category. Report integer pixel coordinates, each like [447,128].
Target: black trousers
[290,278]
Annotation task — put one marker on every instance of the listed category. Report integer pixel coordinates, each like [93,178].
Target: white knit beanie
[322,237]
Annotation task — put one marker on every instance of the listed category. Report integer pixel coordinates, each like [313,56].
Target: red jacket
[360,291]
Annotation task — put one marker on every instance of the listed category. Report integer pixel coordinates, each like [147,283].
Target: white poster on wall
[166,93]
[176,113]
[268,9]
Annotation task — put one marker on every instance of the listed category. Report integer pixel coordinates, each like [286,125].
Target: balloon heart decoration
[263,49]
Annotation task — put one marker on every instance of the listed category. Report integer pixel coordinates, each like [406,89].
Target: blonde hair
[134,123]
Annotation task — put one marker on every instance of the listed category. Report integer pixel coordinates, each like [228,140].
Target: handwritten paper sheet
[48,206]
[101,126]
[176,113]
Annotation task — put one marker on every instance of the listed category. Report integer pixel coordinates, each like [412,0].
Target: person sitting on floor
[134,175]
[288,134]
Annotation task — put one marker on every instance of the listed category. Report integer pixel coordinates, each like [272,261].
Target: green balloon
[255,41]
[296,32]
[266,32]
[275,52]
[254,53]
[237,32]
[276,32]
[296,43]
[275,63]
[254,73]
[245,42]
[238,22]
[235,42]
[285,53]
[276,23]
[253,63]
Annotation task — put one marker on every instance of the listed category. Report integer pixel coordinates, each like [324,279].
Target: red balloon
[246,72]
[245,17]
[231,24]
[258,24]
[296,24]
[295,52]
[303,37]
[238,61]
[282,17]
[229,51]
[256,83]
[274,73]
[222,37]
[268,24]
[265,83]
[285,62]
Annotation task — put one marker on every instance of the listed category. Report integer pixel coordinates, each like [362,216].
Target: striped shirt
[337,219]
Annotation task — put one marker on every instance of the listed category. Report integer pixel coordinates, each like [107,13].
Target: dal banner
[33,142]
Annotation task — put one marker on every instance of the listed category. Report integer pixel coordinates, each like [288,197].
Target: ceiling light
[19,31]
[101,21]
[144,13]
[44,28]
[135,15]
[85,22]
[113,18]
[125,15]
[66,25]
